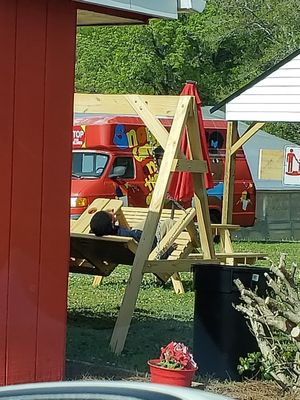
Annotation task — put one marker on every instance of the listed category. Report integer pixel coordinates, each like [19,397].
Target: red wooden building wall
[37,43]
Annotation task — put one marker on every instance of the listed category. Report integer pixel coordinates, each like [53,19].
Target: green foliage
[254,365]
[285,130]
[251,363]
[169,364]
[223,48]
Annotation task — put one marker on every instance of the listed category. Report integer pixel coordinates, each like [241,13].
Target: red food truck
[113,157]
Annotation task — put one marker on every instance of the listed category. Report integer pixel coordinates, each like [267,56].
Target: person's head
[103,223]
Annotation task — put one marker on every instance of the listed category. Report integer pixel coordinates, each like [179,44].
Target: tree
[286,130]
[157,58]
[223,48]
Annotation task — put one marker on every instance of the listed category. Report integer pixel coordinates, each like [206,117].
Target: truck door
[131,184]
[122,178]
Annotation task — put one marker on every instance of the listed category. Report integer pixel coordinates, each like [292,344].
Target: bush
[275,322]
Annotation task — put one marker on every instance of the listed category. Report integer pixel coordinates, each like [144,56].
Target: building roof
[114,12]
[272,96]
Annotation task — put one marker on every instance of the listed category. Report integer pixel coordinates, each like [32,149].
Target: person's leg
[164,227]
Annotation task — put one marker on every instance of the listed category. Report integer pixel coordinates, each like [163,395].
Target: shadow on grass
[88,340]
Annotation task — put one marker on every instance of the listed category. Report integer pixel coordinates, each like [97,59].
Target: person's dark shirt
[137,234]
[134,233]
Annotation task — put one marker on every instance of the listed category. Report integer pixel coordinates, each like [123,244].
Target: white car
[103,390]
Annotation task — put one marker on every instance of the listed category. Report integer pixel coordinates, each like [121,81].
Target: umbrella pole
[172,210]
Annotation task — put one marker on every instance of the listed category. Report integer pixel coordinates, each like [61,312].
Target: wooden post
[229,170]
[251,131]
[129,300]
[233,143]
[201,201]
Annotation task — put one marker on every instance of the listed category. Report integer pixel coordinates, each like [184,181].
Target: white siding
[274,98]
[157,8]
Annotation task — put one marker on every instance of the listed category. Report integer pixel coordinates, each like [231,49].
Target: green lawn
[160,316]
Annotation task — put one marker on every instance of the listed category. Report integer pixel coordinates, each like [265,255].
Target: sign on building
[270,164]
[291,174]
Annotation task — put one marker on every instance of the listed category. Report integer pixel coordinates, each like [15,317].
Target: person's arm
[134,233]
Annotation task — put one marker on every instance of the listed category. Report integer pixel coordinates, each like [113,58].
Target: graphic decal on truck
[245,196]
[79,137]
[215,142]
[120,138]
[142,144]
[134,138]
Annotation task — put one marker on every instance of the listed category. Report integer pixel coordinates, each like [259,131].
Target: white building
[274,96]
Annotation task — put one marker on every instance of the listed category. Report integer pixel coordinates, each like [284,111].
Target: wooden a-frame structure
[149,108]
[233,144]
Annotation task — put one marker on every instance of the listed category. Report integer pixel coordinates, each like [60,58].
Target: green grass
[160,315]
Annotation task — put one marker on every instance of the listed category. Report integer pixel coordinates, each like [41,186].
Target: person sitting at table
[105,223]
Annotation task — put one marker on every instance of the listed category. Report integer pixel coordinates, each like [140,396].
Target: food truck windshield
[88,164]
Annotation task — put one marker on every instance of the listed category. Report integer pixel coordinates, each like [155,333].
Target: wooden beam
[129,300]
[201,199]
[142,109]
[173,234]
[226,245]
[118,104]
[246,136]
[198,166]
[229,170]
[271,164]
[169,266]
[82,224]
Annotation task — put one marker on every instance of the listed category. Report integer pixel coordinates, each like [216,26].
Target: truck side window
[125,162]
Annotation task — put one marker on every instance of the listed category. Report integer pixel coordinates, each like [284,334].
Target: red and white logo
[79,137]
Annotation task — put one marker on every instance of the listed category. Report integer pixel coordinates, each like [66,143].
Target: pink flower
[176,355]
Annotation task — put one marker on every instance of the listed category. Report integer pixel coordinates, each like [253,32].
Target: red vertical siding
[7,45]
[37,38]
[26,191]
[51,333]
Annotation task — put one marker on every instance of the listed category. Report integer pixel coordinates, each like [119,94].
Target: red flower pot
[167,376]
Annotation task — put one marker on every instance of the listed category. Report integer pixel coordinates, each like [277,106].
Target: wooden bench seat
[117,249]
[100,255]
[218,228]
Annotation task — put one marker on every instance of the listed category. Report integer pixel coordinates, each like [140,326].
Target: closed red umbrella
[181,188]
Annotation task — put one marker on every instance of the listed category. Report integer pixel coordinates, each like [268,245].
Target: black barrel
[221,334]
